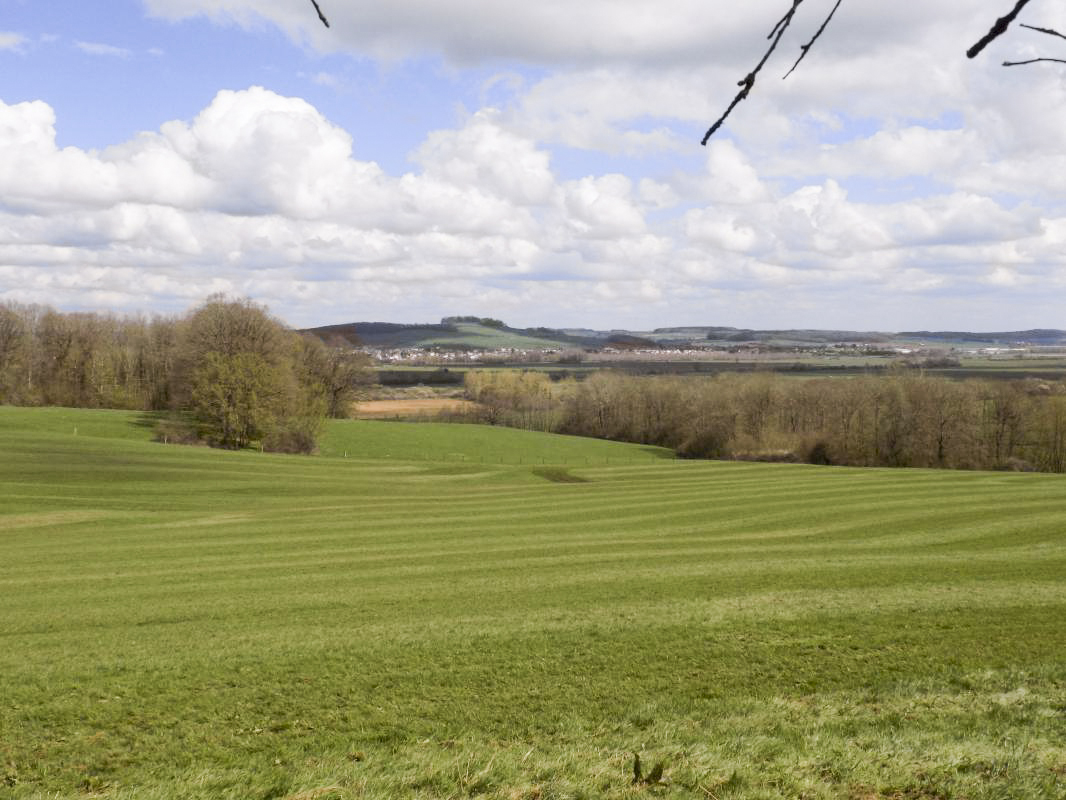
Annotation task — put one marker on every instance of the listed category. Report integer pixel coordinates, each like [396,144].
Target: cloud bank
[888,184]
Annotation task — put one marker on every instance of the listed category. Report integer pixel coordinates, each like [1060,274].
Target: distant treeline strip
[900,419]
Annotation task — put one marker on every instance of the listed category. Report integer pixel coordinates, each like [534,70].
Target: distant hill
[627,341]
[473,333]
[380,334]
[458,333]
[797,336]
[717,335]
[1036,336]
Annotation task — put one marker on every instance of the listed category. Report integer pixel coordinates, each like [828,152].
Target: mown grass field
[184,623]
[476,444]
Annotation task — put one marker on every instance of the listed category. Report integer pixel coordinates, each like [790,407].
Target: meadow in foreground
[421,622]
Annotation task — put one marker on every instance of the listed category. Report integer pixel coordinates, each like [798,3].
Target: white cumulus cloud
[11,41]
[888,183]
[100,49]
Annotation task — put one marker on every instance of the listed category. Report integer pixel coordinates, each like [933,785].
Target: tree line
[229,373]
[905,419]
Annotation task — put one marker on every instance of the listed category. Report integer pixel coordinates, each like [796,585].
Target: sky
[535,162]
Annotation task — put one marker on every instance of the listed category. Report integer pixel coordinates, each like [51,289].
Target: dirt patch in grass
[558,475]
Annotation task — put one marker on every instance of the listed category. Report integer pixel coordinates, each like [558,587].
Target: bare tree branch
[1033,61]
[749,80]
[1048,31]
[997,30]
[775,36]
[804,48]
[321,16]
[746,85]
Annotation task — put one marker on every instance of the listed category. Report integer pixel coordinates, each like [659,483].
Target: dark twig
[321,16]
[747,83]
[1033,61]
[804,48]
[749,80]
[1048,31]
[998,30]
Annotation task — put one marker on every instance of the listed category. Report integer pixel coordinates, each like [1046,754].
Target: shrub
[707,443]
[176,429]
[290,440]
[817,452]
[768,456]
[1014,464]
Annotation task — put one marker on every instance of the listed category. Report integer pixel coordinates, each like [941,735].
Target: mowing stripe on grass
[178,622]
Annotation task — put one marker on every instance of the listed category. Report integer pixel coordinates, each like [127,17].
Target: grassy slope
[474,335]
[179,622]
[442,441]
[464,333]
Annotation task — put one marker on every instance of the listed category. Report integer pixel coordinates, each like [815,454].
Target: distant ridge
[472,333]
[383,334]
[1037,336]
[457,333]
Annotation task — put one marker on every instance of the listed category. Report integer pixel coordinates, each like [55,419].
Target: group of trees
[488,322]
[905,419]
[516,398]
[84,360]
[232,374]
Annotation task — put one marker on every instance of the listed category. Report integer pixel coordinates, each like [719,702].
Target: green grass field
[178,622]
[471,334]
[476,444]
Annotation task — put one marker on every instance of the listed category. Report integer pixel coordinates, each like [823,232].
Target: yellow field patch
[412,406]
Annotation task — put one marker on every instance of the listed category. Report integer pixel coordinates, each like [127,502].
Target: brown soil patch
[412,407]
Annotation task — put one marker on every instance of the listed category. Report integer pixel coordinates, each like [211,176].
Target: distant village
[712,352]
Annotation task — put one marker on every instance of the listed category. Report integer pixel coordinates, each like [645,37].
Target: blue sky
[161,70]
[540,164]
